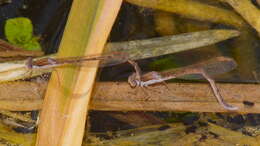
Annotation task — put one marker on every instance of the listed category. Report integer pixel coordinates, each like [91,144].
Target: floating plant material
[173,134]
[248,11]
[139,49]
[15,70]
[244,50]
[17,116]
[164,23]
[9,50]
[193,10]
[9,137]
[19,31]
[181,97]
[21,95]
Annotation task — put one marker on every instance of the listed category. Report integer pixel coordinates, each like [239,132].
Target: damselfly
[206,68]
[48,63]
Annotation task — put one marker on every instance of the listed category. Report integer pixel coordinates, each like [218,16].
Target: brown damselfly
[206,68]
[48,63]
[213,66]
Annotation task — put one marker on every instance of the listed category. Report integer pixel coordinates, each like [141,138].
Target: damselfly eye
[132,80]
[29,63]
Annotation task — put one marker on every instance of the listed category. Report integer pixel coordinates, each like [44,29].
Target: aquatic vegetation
[19,31]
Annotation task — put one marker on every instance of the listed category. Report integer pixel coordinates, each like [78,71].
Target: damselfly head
[29,63]
[132,80]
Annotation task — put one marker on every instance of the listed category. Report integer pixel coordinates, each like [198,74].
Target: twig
[194,97]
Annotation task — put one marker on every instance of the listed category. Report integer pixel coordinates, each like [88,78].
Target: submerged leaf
[163,64]
[141,49]
[19,31]
[32,44]
[248,11]
[193,10]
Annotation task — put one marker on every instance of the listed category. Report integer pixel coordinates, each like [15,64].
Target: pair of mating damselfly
[216,65]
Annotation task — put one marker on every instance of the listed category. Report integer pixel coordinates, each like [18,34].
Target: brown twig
[9,50]
[194,97]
